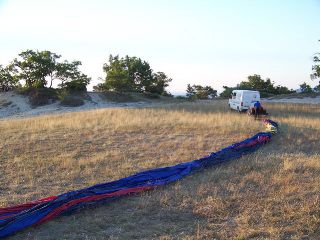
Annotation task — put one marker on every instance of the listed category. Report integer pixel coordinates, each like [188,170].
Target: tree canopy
[33,67]
[7,80]
[132,74]
[200,92]
[316,66]
[316,69]
[305,88]
[227,92]
[255,82]
[39,69]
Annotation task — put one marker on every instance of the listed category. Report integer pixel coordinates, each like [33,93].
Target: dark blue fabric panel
[152,178]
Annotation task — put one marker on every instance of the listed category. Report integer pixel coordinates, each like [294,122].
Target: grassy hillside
[271,194]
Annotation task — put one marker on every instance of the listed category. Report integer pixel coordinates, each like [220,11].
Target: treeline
[43,75]
[255,82]
[200,92]
[46,73]
[44,69]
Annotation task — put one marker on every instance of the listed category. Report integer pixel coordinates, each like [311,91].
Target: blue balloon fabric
[19,217]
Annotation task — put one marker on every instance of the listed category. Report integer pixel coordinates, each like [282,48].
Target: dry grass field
[271,194]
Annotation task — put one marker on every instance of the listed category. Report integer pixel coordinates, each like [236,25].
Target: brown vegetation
[271,194]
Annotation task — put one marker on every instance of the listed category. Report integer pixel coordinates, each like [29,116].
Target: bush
[181,97]
[151,95]
[71,101]
[77,85]
[41,96]
[118,96]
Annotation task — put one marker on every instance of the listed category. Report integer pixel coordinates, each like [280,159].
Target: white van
[242,100]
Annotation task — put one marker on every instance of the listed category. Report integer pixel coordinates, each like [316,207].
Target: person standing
[257,108]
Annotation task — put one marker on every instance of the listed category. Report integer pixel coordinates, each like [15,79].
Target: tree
[226,93]
[281,90]
[39,69]
[49,65]
[78,83]
[255,82]
[70,77]
[191,92]
[131,74]
[33,67]
[200,92]
[7,80]
[139,73]
[316,69]
[305,88]
[117,77]
[159,82]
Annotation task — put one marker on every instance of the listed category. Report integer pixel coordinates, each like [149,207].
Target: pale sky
[203,42]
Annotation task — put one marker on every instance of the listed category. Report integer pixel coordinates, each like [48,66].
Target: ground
[14,105]
[306,98]
[271,194]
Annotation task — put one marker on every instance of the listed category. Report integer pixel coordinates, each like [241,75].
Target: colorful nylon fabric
[19,217]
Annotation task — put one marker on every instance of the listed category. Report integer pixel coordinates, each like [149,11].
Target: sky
[206,42]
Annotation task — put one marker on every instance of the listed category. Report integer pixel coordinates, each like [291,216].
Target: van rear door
[249,98]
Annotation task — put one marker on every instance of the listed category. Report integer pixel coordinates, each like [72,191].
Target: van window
[233,95]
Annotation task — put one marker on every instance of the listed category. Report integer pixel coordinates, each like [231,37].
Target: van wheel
[239,111]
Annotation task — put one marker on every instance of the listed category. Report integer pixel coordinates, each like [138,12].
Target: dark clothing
[257,105]
[257,110]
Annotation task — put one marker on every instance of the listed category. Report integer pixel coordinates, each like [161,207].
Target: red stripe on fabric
[259,140]
[24,206]
[65,206]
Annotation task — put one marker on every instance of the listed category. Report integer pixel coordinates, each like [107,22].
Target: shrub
[71,101]
[41,96]
[78,85]
[151,95]
[181,97]
[118,96]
